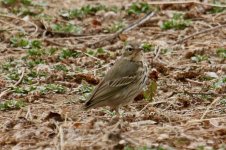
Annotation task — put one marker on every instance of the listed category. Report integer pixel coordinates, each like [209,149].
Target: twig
[199,120]
[10,24]
[61,134]
[5,92]
[186,2]
[197,93]
[142,123]
[66,34]
[130,140]
[152,103]
[107,132]
[62,45]
[29,22]
[78,49]
[126,29]
[198,33]
[80,37]
[21,77]
[195,82]
[29,115]
[208,108]
[138,22]
[157,50]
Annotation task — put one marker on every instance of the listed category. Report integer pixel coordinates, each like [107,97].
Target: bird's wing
[122,68]
[117,78]
[106,90]
[122,81]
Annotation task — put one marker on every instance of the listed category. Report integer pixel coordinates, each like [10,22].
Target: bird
[122,82]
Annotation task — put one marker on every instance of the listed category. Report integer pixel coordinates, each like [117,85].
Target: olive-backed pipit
[123,82]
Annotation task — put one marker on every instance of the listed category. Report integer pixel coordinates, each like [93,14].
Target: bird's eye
[130,49]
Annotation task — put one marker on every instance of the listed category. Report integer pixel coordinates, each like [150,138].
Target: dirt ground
[50,60]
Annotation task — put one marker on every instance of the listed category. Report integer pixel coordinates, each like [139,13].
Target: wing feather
[120,76]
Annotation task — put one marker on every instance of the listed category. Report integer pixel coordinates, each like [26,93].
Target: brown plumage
[123,82]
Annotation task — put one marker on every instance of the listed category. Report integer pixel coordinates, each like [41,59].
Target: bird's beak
[138,50]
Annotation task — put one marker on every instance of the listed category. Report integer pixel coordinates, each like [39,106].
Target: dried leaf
[123,37]
[55,116]
[151,91]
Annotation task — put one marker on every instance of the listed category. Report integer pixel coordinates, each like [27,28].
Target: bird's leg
[117,112]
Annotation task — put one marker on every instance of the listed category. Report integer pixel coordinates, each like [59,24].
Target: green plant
[52,51]
[8,2]
[26,2]
[35,52]
[25,43]
[83,11]
[35,74]
[111,113]
[11,2]
[147,47]
[33,63]
[60,67]
[221,52]
[71,14]
[176,22]
[13,75]
[223,102]
[96,52]
[8,65]
[23,90]
[66,53]
[36,44]
[151,91]
[220,82]
[199,58]
[67,28]
[215,9]
[101,51]
[11,104]
[56,88]
[138,8]
[116,26]
[88,9]
[85,91]
[19,42]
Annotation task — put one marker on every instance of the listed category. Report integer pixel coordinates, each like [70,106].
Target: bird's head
[133,51]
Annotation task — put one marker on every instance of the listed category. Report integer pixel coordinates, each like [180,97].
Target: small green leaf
[219,83]
[11,104]
[9,2]
[176,22]
[147,47]
[138,8]
[67,28]
[66,53]
[36,44]
[19,42]
[221,52]
[26,2]
[199,58]
[116,26]
[100,51]
[60,67]
[55,88]
[35,52]
[216,9]
[151,91]
[85,91]
[84,11]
